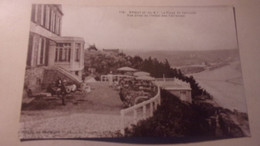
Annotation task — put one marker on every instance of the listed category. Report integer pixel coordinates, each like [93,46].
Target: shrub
[173,118]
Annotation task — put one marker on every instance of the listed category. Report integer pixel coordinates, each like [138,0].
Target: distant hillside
[187,58]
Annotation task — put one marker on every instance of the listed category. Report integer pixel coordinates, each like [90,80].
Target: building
[176,87]
[67,52]
[92,48]
[47,49]
[45,23]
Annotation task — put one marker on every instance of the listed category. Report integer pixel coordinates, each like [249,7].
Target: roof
[67,38]
[176,84]
[126,69]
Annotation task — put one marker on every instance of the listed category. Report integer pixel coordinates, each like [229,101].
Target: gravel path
[72,126]
[96,115]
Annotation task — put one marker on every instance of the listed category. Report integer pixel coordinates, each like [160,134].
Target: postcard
[133,72]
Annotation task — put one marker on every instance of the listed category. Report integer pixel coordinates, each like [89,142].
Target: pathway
[80,125]
[97,114]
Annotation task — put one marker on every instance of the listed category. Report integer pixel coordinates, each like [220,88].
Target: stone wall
[52,75]
[34,78]
[38,78]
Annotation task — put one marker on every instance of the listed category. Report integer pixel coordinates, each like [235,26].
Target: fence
[151,104]
[105,78]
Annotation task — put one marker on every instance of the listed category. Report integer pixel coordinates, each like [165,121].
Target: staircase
[51,74]
[68,74]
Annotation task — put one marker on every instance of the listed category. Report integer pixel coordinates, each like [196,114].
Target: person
[122,96]
[59,83]
[61,89]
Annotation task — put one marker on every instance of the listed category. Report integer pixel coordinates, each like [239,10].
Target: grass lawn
[101,100]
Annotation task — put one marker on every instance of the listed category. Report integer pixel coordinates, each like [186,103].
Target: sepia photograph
[133,72]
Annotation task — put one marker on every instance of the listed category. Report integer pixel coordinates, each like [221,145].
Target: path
[103,99]
[95,115]
[72,126]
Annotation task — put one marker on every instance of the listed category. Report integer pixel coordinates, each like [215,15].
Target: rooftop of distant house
[92,48]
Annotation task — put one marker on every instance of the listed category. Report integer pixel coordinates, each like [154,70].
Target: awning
[141,73]
[126,69]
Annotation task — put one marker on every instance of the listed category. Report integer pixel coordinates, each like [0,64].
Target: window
[38,15]
[41,51]
[47,16]
[67,51]
[77,57]
[42,15]
[62,53]
[69,54]
[56,54]
[50,19]
[51,29]
[54,22]
[39,43]
[57,25]
[65,54]
[56,18]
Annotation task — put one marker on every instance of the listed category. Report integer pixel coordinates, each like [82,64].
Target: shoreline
[225,84]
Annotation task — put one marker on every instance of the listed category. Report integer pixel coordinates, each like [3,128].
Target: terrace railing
[105,78]
[140,111]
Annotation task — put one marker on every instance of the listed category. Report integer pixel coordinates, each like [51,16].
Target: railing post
[135,116]
[122,122]
[155,104]
[144,112]
[159,91]
[151,109]
[159,100]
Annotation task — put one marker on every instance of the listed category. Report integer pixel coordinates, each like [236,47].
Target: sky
[152,28]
